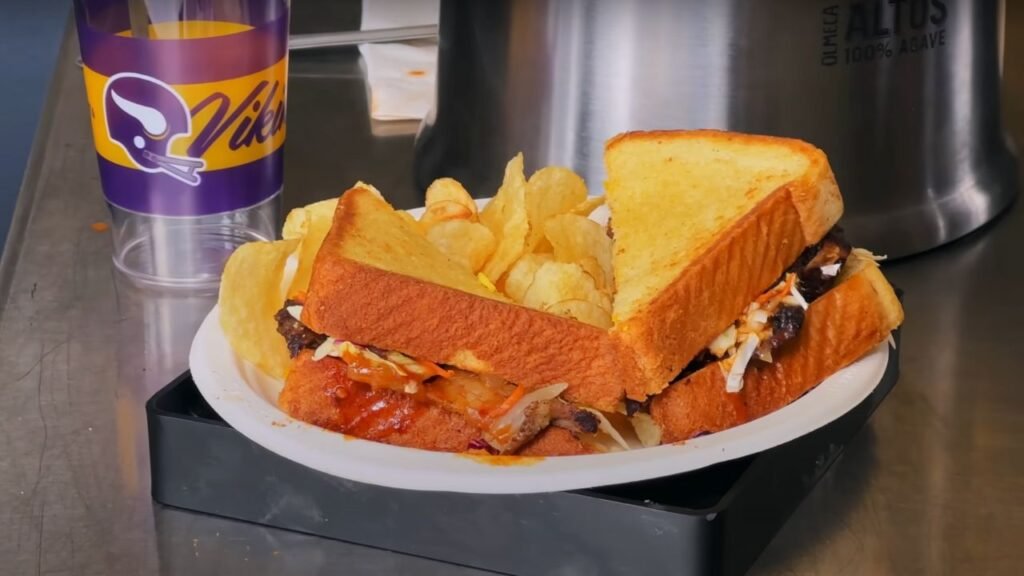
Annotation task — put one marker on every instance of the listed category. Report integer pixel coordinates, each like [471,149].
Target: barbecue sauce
[361,411]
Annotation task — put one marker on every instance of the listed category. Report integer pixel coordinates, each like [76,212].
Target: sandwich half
[391,324]
[704,222]
[840,325]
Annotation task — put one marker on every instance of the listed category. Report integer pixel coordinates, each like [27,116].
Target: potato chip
[450,190]
[295,224]
[577,238]
[469,243]
[505,215]
[370,187]
[410,219]
[310,224]
[559,281]
[583,311]
[444,211]
[520,275]
[250,295]
[593,268]
[587,207]
[551,191]
[543,247]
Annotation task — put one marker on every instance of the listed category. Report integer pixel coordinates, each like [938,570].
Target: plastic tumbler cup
[187,100]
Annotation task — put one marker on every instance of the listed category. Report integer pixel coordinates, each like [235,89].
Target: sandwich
[856,312]
[395,342]
[758,300]
[730,292]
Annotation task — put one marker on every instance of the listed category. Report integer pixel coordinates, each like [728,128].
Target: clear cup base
[186,253]
[147,261]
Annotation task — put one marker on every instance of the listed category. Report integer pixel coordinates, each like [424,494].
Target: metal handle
[331,39]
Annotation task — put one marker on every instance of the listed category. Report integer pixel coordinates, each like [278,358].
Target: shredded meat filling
[573,418]
[635,406]
[295,333]
[536,417]
[810,266]
[786,324]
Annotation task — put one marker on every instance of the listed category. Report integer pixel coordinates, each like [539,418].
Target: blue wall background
[30,35]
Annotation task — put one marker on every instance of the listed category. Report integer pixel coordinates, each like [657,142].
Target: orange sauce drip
[361,411]
[502,460]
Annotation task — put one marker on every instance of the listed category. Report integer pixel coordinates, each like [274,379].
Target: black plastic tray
[712,521]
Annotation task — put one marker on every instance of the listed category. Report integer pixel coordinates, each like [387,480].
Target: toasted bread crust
[311,394]
[709,295]
[815,195]
[370,306]
[316,392]
[840,327]
[744,261]
[554,442]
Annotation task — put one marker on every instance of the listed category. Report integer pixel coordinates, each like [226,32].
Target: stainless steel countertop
[934,484]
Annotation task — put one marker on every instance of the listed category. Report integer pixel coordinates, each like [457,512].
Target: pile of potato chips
[533,240]
[258,278]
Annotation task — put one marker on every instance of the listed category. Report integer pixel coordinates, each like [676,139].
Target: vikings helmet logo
[144,116]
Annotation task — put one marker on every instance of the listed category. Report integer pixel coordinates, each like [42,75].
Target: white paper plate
[247,400]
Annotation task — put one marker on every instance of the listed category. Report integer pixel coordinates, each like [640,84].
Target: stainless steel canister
[903,95]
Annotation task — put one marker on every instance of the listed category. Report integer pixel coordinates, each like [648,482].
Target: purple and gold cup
[187,101]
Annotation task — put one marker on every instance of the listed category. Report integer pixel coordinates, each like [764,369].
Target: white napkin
[401,78]
[401,75]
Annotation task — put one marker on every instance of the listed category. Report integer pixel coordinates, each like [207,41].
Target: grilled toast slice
[378,281]
[704,221]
